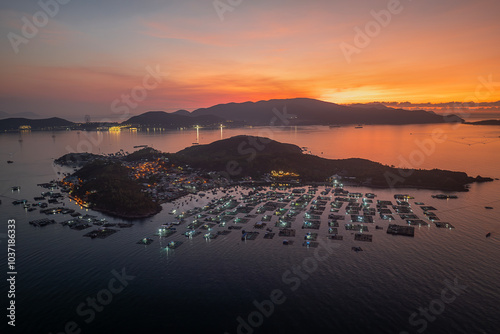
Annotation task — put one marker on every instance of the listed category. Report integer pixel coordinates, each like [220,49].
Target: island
[277,112]
[134,185]
[485,122]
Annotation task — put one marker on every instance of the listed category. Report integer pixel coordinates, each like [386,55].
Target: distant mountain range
[303,111]
[299,111]
[48,124]
[242,156]
[28,114]
[173,120]
[486,122]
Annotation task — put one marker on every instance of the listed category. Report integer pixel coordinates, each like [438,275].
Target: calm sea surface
[205,287]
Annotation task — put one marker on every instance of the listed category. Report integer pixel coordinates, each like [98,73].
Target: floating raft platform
[250,236]
[259,225]
[266,218]
[42,222]
[145,241]
[192,233]
[287,232]
[100,233]
[311,236]
[360,228]
[394,229]
[417,222]
[283,224]
[235,227]
[336,237]
[333,230]
[207,227]
[310,244]
[174,244]
[165,232]
[76,224]
[444,225]
[194,225]
[223,232]
[333,224]
[363,237]
[311,224]
[210,236]
[269,235]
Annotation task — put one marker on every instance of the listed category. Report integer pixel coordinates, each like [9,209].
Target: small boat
[488,235]
[285,242]
[10,161]
[16,188]
[356,249]
[488,207]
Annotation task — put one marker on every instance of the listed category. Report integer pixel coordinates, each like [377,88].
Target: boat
[334,126]
[140,146]
[196,144]
[16,188]
[10,161]
[358,127]
[356,249]
[488,235]
[285,242]
[443,196]
[488,207]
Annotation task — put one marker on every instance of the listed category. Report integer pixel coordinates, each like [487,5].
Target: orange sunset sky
[89,53]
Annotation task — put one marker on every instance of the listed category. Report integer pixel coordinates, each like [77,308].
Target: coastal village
[277,207]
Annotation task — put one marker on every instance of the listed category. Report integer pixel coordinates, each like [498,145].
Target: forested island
[134,185]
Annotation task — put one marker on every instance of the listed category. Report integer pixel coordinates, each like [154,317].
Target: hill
[304,111]
[54,123]
[242,156]
[172,120]
[27,114]
[485,122]
[102,179]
